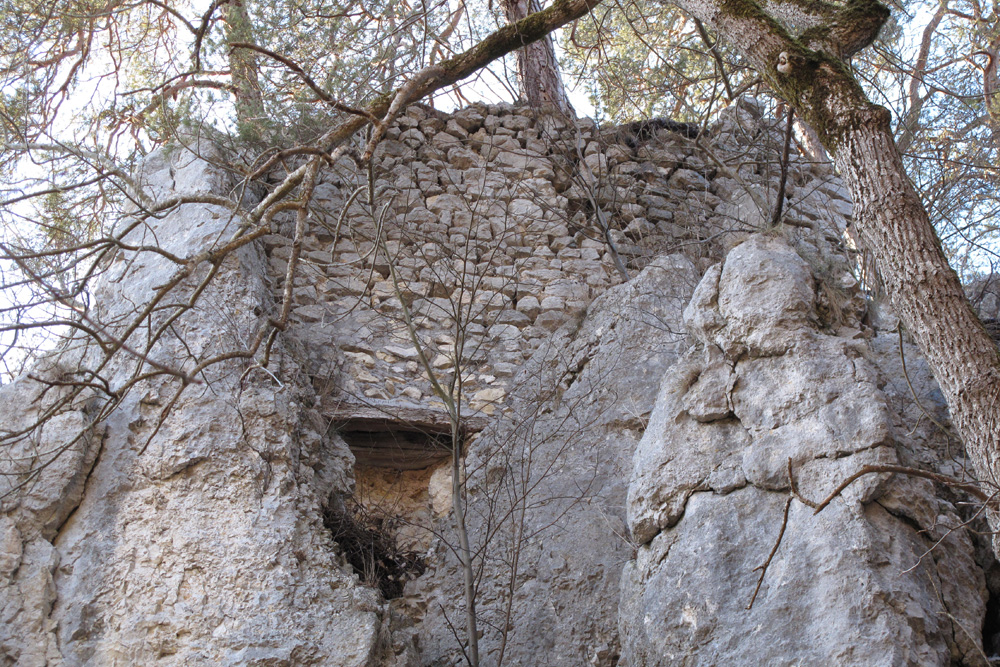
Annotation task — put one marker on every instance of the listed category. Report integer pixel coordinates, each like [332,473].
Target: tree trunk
[991,84]
[889,216]
[925,292]
[243,70]
[537,68]
[809,142]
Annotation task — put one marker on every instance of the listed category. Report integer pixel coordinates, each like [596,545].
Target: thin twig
[795,492]
[763,567]
[972,489]
[295,67]
[587,186]
[713,48]
[779,206]
[906,376]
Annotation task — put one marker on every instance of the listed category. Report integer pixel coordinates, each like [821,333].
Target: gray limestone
[197,542]
[765,390]
[631,467]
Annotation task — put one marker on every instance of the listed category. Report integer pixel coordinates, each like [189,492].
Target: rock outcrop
[766,415]
[634,449]
[195,540]
[548,483]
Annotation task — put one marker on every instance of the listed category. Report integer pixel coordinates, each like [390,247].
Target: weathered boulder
[41,484]
[195,540]
[769,393]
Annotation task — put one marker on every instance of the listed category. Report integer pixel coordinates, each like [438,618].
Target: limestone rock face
[37,506]
[768,387]
[547,486]
[197,541]
[632,408]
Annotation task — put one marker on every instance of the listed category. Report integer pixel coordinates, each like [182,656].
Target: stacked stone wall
[495,226]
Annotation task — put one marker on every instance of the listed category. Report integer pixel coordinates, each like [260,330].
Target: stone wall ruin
[626,440]
[493,221]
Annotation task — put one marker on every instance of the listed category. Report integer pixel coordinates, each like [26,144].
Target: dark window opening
[401,450]
[402,436]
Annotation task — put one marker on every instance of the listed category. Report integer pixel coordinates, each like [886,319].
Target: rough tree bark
[243,68]
[808,70]
[537,68]
[991,83]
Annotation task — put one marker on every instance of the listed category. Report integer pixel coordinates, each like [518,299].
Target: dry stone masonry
[493,221]
[646,369]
